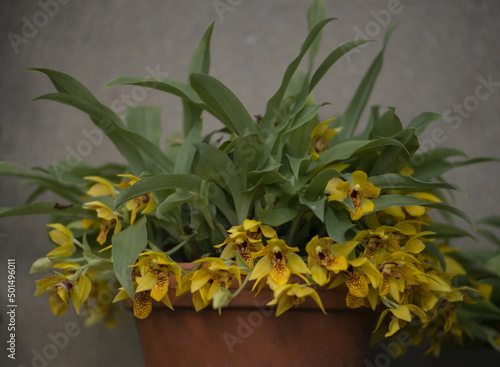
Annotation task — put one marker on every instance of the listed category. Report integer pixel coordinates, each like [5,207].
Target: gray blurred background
[437,61]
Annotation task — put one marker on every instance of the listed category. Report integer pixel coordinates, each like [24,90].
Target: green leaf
[67,84]
[420,123]
[348,149]
[127,245]
[187,152]
[491,220]
[337,224]
[317,185]
[434,251]
[331,59]
[248,151]
[46,208]
[165,85]
[145,121]
[493,265]
[200,63]
[226,106]
[489,235]
[317,207]
[394,158]
[396,181]
[159,182]
[216,166]
[110,124]
[274,103]
[278,216]
[386,125]
[315,14]
[350,119]
[173,201]
[70,193]
[443,230]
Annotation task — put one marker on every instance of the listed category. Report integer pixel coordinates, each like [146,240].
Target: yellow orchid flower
[393,239]
[360,277]
[109,219]
[325,258]
[320,138]
[292,295]
[60,289]
[360,193]
[278,262]
[144,202]
[245,239]
[399,271]
[206,281]
[62,236]
[156,269]
[101,187]
[400,316]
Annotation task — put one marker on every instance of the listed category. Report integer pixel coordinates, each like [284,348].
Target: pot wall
[248,334]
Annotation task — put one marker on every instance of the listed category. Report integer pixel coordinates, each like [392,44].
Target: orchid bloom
[64,238]
[400,316]
[326,257]
[320,138]
[144,202]
[209,279]
[102,187]
[61,288]
[360,193]
[245,239]
[292,295]
[278,262]
[155,270]
[108,218]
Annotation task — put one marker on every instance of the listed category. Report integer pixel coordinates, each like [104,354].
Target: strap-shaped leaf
[318,183]
[165,85]
[445,230]
[127,142]
[200,63]
[216,166]
[51,208]
[187,151]
[127,245]
[65,83]
[337,224]
[420,123]
[146,185]
[315,14]
[395,181]
[145,121]
[331,59]
[223,103]
[350,119]
[70,193]
[348,149]
[386,125]
[274,102]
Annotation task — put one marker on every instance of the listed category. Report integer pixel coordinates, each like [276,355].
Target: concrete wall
[435,61]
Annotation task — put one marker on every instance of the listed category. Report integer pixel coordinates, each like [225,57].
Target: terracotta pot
[248,333]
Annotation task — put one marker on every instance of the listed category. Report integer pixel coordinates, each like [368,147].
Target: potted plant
[305,213]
